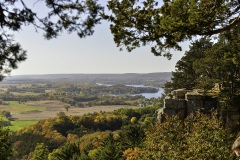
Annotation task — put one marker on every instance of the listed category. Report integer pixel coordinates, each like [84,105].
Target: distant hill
[128,78]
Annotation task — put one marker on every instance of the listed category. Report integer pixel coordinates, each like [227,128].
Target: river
[146,95]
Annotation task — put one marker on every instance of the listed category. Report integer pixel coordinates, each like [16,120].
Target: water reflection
[146,95]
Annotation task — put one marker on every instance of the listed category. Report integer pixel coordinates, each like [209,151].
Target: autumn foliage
[104,135]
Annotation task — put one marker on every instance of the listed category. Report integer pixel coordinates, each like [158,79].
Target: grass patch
[15,107]
[3,118]
[19,124]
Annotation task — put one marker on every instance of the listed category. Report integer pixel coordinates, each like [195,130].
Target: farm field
[14,107]
[39,110]
[19,124]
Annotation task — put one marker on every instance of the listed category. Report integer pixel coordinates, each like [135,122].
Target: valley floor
[54,107]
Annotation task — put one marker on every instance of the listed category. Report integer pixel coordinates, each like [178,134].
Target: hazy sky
[94,54]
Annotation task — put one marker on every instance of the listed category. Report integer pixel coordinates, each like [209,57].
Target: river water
[149,95]
[153,95]
[146,95]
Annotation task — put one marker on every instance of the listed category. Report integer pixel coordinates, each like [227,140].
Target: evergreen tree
[69,151]
[109,149]
[185,76]
[221,65]
[131,136]
[40,153]
[5,144]
[207,64]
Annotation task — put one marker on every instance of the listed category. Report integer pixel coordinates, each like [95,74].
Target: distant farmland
[52,108]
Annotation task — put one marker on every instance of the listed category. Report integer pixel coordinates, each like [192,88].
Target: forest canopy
[136,23]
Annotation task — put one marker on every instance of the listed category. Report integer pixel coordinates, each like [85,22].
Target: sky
[68,54]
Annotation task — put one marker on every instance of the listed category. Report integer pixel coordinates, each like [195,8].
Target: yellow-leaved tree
[199,136]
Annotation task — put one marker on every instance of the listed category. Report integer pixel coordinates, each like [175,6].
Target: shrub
[198,137]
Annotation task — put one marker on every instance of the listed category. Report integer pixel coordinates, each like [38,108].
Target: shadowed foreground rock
[183,102]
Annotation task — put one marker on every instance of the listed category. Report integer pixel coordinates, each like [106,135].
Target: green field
[15,107]
[3,118]
[26,114]
[19,124]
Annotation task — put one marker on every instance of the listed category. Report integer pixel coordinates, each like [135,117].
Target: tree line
[78,95]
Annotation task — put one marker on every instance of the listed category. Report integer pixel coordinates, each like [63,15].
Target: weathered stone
[194,101]
[169,103]
[164,111]
[159,114]
[184,103]
[210,104]
[169,96]
[179,93]
[193,96]
[193,106]
[181,113]
[175,103]
[180,104]
[232,120]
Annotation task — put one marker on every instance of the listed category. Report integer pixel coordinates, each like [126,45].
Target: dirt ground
[54,107]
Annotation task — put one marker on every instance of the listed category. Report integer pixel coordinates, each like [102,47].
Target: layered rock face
[231,116]
[183,102]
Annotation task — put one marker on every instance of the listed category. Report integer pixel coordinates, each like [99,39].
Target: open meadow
[39,110]
[28,113]
[15,107]
[19,124]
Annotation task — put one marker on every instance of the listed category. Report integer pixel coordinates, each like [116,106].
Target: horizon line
[83,73]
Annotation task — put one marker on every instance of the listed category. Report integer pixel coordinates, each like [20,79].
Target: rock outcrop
[184,102]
